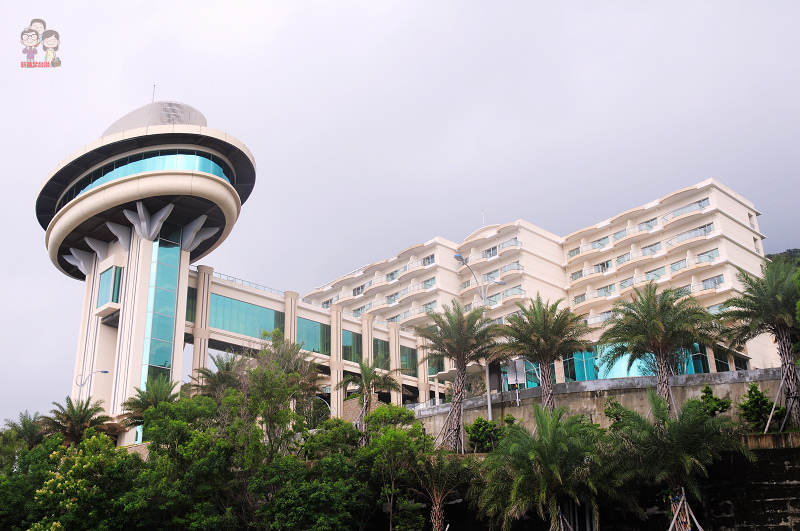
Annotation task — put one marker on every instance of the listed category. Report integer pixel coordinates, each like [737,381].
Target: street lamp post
[80,381]
[482,289]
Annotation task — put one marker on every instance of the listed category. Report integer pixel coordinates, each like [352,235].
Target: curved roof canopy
[158,113]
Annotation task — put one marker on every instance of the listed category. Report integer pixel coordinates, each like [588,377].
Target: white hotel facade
[131,214]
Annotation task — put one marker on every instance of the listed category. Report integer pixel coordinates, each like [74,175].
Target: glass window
[109,286]
[243,318]
[314,336]
[605,291]
[648,225]
[721,363]
[708,256]
[435,365]
[380,353]
[408,360]
[602,267]
[599,244]
[490,252]
[491,275]
[677,266]
[713,282]
[651,249]
[164,301]
[741,363]
[191,304]
[626,283]
[352,348]
[358,291]
[428,260]
[655,274]
[393,275]
[579,299]
[426,284]
[429,307]
[620,234]
[624,258]
[715,309]
[574,252]
[580,367]
[576,275]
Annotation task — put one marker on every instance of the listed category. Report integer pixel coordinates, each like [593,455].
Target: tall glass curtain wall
[241,317]
[314,336]
[589,365]
[191,304]
[435,366]
[161,304]
[165,159]
[380,353]
[408,360]
[109,285]
[351,346]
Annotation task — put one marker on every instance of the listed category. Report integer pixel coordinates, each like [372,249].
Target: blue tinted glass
[204,164]
[160,353]
[314,336]
[104,287]
[242,317]
[380,353]
[169,253]
[167,277]
[408,360]
[150,164]
[186,162]
[168,162]
[351,346]
[155,372]
[164,301]
[163,327]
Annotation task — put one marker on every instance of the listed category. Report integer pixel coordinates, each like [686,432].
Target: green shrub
[755,407]
[483,434]
[712,404]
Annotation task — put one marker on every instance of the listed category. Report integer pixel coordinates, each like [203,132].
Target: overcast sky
[392,122]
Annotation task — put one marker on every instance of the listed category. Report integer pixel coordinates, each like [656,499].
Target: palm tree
[156,391]
[543,334]
[29,428]
[74,419]
[769,305]
[657,325]
[560,461]
[227,376]
[441,476]
[463,338]
[675,452]
[368,382]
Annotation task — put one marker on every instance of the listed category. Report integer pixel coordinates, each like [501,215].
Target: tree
[367,382]
[74,419]
[442,476]
[230,368]
[28,429]
[660,325]
[768,305]
[559,461]
[463,338]
[156,391]
[713,404]
[755,409]
[676,452]
[543,334]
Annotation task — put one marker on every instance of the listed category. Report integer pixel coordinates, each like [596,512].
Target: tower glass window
[242,318]
[351,346]
[109,286]
[380,353]
[408,360]
[314,336]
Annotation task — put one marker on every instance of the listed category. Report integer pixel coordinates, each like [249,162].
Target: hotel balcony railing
[642,252]
[510,243]
[687,262]
[465,285]
[375,282]
[247,284]
[692,207]
[512,292]
[419,263]
[688,235]
[599,318]
[590,271]
[642,227]
[511,267]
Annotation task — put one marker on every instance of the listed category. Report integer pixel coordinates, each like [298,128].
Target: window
[358,291]
[514,266]
[576,275]
[242,318]
[513,242]
[683,291]
[579,299]
[491,275]
[599,244]
[191,304]
[741,363]
[109,286]
[429,307]
[490,252]
[327,303]
[605,291]
[628,282]
[392,298]
[314,336]
[689,234]
[427,284]
[574,252]
[651,249]
[494,299]
[435,365]
[351,346]
[464,285]
[358,311]
[713,282]
[698,205]
[655,274]
[648,225]
[707,256]
[620,234]
[428,260]
[721,364]
[714,310]
[380,353]
[624,258]
[602,267]
[393,275]
[677,266]
[581,366]
[408,360]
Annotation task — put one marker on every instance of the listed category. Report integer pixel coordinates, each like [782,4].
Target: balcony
[374,305]
[509,246]
[590,273]
[416,265]
[689,265]
[589,248]
[598,319]
[374,283]
[684,212]
[627,234]
[511,270]
[684,238]
[414,291]
[414,316]
[593,297]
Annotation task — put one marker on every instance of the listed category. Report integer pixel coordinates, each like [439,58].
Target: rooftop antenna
[154,94]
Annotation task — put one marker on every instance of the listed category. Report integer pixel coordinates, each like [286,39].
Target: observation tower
[127,214]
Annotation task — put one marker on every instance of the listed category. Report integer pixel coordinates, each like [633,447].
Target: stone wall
[590,397]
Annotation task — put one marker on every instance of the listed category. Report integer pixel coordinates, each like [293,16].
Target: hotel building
[130,213]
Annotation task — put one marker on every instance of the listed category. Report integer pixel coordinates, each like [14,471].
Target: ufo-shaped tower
[128,214]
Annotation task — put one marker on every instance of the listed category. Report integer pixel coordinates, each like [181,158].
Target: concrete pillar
[560,378]
[290,316]
[712,363]
[394,360]
[366,337]
[201,319]
[336,364]
[423,383]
